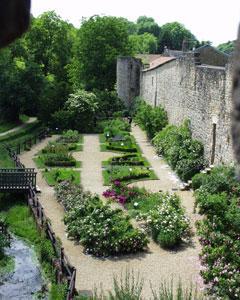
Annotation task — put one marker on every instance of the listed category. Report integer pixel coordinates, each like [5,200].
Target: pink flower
[122,199]
[117,182]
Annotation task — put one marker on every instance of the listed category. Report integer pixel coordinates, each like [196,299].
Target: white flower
[135,204]
[122,144]
[130,169]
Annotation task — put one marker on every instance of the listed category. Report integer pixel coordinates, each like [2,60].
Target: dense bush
[70,136]
[184,154]
[115,127]
[151,119]
[221,179]
[211,204]
[55,148]
[78,113]
[108,103]
[61,159]
[167,222]
[101,230]
[217,196]
[163,214]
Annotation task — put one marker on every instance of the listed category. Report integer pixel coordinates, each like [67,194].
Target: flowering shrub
[220,257]
[221,179]
[163,213]
[167,222]
[101,230]
[184,154]
[218,199]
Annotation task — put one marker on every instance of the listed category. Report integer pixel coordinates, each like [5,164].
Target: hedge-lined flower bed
[126,173]
[184,154]
[217,196]
[101,230]
[55,176]
[163,215]
[127,159]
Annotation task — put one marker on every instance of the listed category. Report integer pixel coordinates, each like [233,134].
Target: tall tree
[50,43]
[100,40]
[146,24]
[173,34]
[144,43]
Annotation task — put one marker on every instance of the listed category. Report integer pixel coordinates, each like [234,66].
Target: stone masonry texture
[200,93]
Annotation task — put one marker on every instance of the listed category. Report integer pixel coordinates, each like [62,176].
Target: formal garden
[103,168]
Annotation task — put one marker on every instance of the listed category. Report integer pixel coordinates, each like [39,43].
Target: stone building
[189,89]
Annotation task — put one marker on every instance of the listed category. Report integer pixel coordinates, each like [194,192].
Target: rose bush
[101,230]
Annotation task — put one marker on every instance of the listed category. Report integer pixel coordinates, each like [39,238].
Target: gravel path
[29,121]
[156,265]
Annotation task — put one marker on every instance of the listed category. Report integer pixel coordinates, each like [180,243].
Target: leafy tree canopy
[173,34]
[227,47]
[146,24]
[100,40]
[144,43]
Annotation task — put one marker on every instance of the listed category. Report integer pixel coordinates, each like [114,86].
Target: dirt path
[156,265]
[29,121]
[168,181]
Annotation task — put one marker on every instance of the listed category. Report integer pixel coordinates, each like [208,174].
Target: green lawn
[13,139]
[55,175]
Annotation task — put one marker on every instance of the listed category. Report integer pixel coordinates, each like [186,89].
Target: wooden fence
[17,179]
[65,272]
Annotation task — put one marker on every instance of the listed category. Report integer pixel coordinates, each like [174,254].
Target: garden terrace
[157,263]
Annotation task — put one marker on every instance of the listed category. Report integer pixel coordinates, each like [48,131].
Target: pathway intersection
[154,266]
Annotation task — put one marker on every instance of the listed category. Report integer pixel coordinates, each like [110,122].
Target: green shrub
[101,230]
[108,103]
[61,159]
[125,173]
[151,119]
[198,180]
[211,204]
[221,179]
[127,159]
[167,222]
[53,147]
[115,127]
[70,136]
[184,154]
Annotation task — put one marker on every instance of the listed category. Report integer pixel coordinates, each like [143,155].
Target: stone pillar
[128,79]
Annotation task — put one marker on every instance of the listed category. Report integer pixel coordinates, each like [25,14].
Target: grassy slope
[13,139]
[5,126]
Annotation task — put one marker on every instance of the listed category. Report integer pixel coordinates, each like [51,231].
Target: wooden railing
[17,179]
[65,272]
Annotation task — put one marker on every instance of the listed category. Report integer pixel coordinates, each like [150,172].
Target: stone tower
[128,79]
